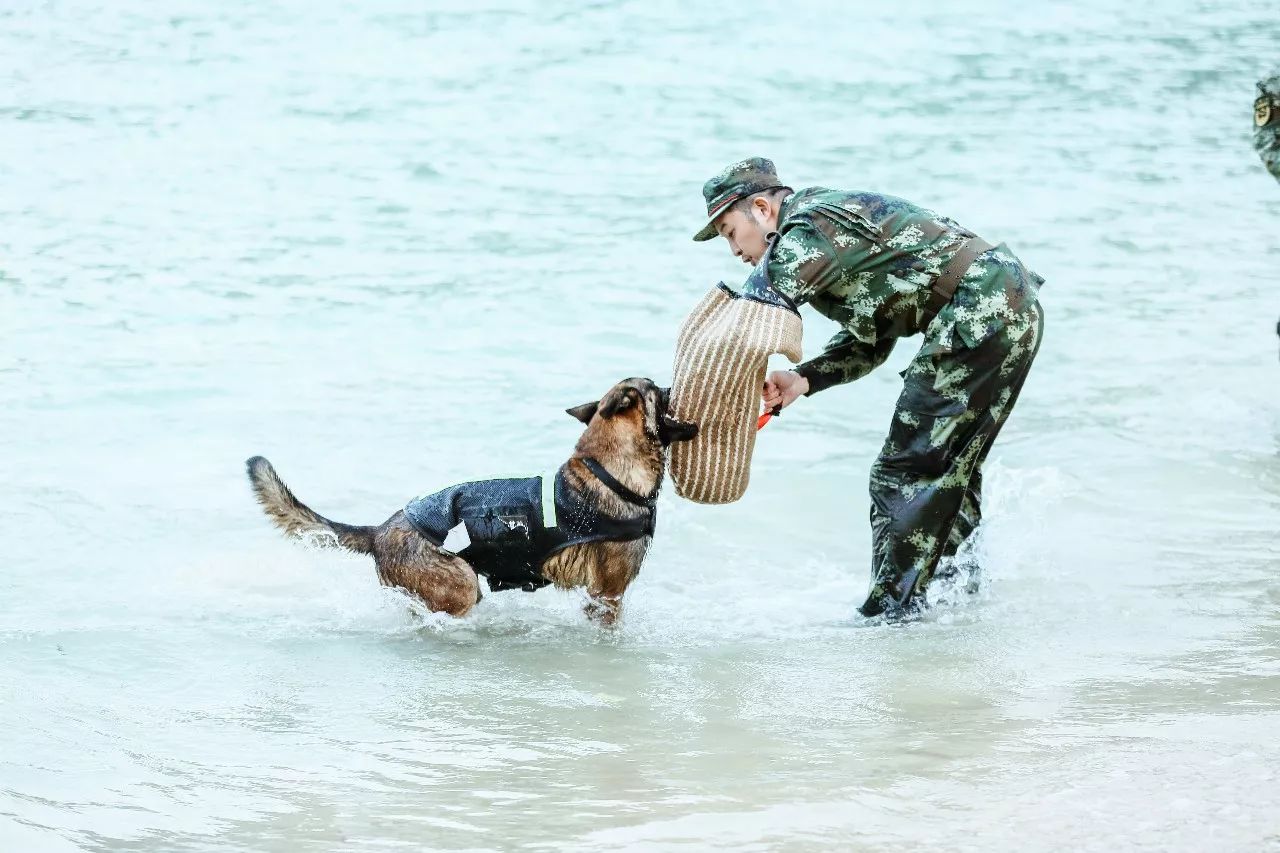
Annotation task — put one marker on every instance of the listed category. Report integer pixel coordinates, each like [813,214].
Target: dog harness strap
[612,482]
[581,520]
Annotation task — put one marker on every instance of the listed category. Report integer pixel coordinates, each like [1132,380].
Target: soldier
[1266,124]
[1266,128]
[884,269]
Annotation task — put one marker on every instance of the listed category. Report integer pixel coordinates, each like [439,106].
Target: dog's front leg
[603,610]
[605,585]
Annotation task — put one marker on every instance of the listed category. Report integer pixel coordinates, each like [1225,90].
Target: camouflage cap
[733,183]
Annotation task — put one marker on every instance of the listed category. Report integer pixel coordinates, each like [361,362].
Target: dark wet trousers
[926,485]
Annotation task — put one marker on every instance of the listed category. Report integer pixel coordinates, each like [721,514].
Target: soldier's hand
[782,388]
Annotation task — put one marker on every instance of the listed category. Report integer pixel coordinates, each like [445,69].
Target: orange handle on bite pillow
[768,416]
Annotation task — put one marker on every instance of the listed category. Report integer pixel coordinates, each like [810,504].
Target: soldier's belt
[945,286]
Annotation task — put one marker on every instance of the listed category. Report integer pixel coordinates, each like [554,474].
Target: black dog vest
[515,525]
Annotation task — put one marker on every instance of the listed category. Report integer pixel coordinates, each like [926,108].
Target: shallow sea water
[386,244]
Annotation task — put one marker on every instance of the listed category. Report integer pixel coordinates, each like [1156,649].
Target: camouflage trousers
[926,485]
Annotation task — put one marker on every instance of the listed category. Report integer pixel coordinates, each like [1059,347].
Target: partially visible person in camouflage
[884,269]
[1266,128]
[1266,123]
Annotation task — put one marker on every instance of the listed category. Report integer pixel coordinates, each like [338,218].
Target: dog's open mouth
[671,430]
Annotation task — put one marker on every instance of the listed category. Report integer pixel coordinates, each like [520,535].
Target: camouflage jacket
[868,261]
[1266,123]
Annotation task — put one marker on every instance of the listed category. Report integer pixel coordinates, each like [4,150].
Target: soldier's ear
[585,412]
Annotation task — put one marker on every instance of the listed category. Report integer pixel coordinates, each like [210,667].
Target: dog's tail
[296,518]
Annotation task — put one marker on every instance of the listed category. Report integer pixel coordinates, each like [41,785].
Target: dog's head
[644,404]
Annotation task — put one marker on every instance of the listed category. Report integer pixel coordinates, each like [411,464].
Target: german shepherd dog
[615,473]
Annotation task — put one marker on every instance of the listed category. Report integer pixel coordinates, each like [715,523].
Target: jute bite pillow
[721,356]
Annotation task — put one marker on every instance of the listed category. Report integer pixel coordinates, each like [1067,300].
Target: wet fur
[627,432]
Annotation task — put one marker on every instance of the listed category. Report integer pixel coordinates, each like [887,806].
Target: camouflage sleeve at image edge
[1266,124]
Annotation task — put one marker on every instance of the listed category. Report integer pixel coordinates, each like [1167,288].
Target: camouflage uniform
[868,261]
[1266,124]
[1266,128]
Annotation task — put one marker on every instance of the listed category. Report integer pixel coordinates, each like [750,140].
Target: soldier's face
[745,230]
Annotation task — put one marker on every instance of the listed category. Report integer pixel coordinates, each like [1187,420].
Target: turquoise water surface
[386,244]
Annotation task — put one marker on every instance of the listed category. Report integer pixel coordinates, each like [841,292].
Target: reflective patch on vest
[457,540]
[549,500]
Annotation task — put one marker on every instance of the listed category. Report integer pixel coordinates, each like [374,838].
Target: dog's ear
[618,400]
[674,430]
[585,412]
